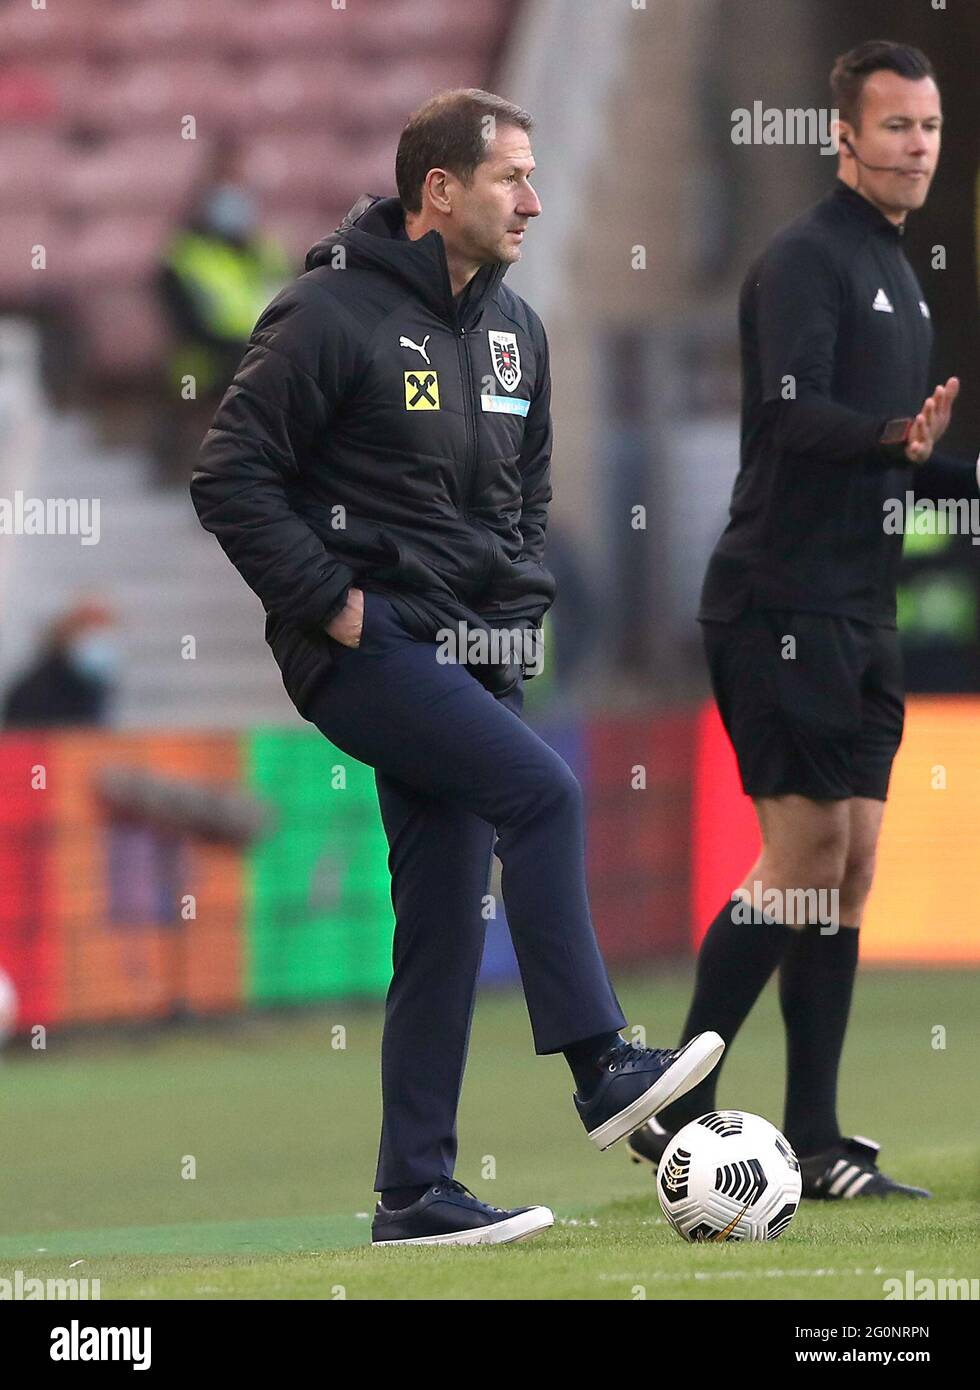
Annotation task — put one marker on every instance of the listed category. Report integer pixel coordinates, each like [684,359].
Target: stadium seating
[94,97]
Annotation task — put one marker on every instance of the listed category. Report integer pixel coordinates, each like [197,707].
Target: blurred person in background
[798,608]
[219,271]
[939,595]
[73,679]
[576,625]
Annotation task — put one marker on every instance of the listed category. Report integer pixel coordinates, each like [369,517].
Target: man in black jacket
[379,472]
[798,606]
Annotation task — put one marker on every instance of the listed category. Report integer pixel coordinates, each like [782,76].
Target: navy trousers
[454,764]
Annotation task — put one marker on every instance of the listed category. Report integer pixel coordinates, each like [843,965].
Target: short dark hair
[852,69]
[450,132]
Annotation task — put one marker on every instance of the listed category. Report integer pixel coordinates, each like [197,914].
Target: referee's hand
[345,627]
[932,421]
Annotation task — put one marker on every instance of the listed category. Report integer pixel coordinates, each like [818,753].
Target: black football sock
[738,954]
[816,980]
[396,1198]
[582,1057]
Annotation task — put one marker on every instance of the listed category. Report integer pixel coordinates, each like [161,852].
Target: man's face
[490,215]
[900,125]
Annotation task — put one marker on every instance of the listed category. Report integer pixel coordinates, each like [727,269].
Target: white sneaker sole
[521,1227]
[692,1065]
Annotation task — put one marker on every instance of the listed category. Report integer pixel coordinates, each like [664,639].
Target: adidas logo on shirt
[883,303]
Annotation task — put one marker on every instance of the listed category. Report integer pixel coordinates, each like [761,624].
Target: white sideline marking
[746,1274]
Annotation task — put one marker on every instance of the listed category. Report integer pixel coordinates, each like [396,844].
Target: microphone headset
[876,168]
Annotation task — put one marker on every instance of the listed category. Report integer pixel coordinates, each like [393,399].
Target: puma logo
[407,342]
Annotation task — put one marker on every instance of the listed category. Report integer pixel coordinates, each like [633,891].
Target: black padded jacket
[381,432]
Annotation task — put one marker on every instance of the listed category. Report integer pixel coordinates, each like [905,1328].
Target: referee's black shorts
[813,703]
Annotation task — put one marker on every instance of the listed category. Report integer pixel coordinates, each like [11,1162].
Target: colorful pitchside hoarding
[160,875]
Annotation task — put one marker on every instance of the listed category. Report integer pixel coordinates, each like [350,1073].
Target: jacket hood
[374,238]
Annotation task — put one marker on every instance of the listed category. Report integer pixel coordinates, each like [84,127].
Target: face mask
[230,211]
[94,655]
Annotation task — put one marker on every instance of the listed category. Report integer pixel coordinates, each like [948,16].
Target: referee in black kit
[379,472]
[798,605]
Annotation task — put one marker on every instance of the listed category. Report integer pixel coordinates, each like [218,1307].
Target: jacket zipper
[469,462]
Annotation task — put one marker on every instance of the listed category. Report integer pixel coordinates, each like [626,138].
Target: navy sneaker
[449,1214]
[850,1169]
[648,1144]
[636,1082]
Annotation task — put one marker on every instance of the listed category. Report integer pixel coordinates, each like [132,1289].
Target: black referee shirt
[835,341]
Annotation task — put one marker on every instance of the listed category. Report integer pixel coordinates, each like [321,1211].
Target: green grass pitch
[282,1128]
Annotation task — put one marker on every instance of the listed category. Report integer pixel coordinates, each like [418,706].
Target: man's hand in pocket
[345,627]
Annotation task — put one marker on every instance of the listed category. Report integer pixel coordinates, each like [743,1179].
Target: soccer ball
[729,1175]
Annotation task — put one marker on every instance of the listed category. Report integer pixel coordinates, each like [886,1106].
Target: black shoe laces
[451,1185]
[627,1055]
